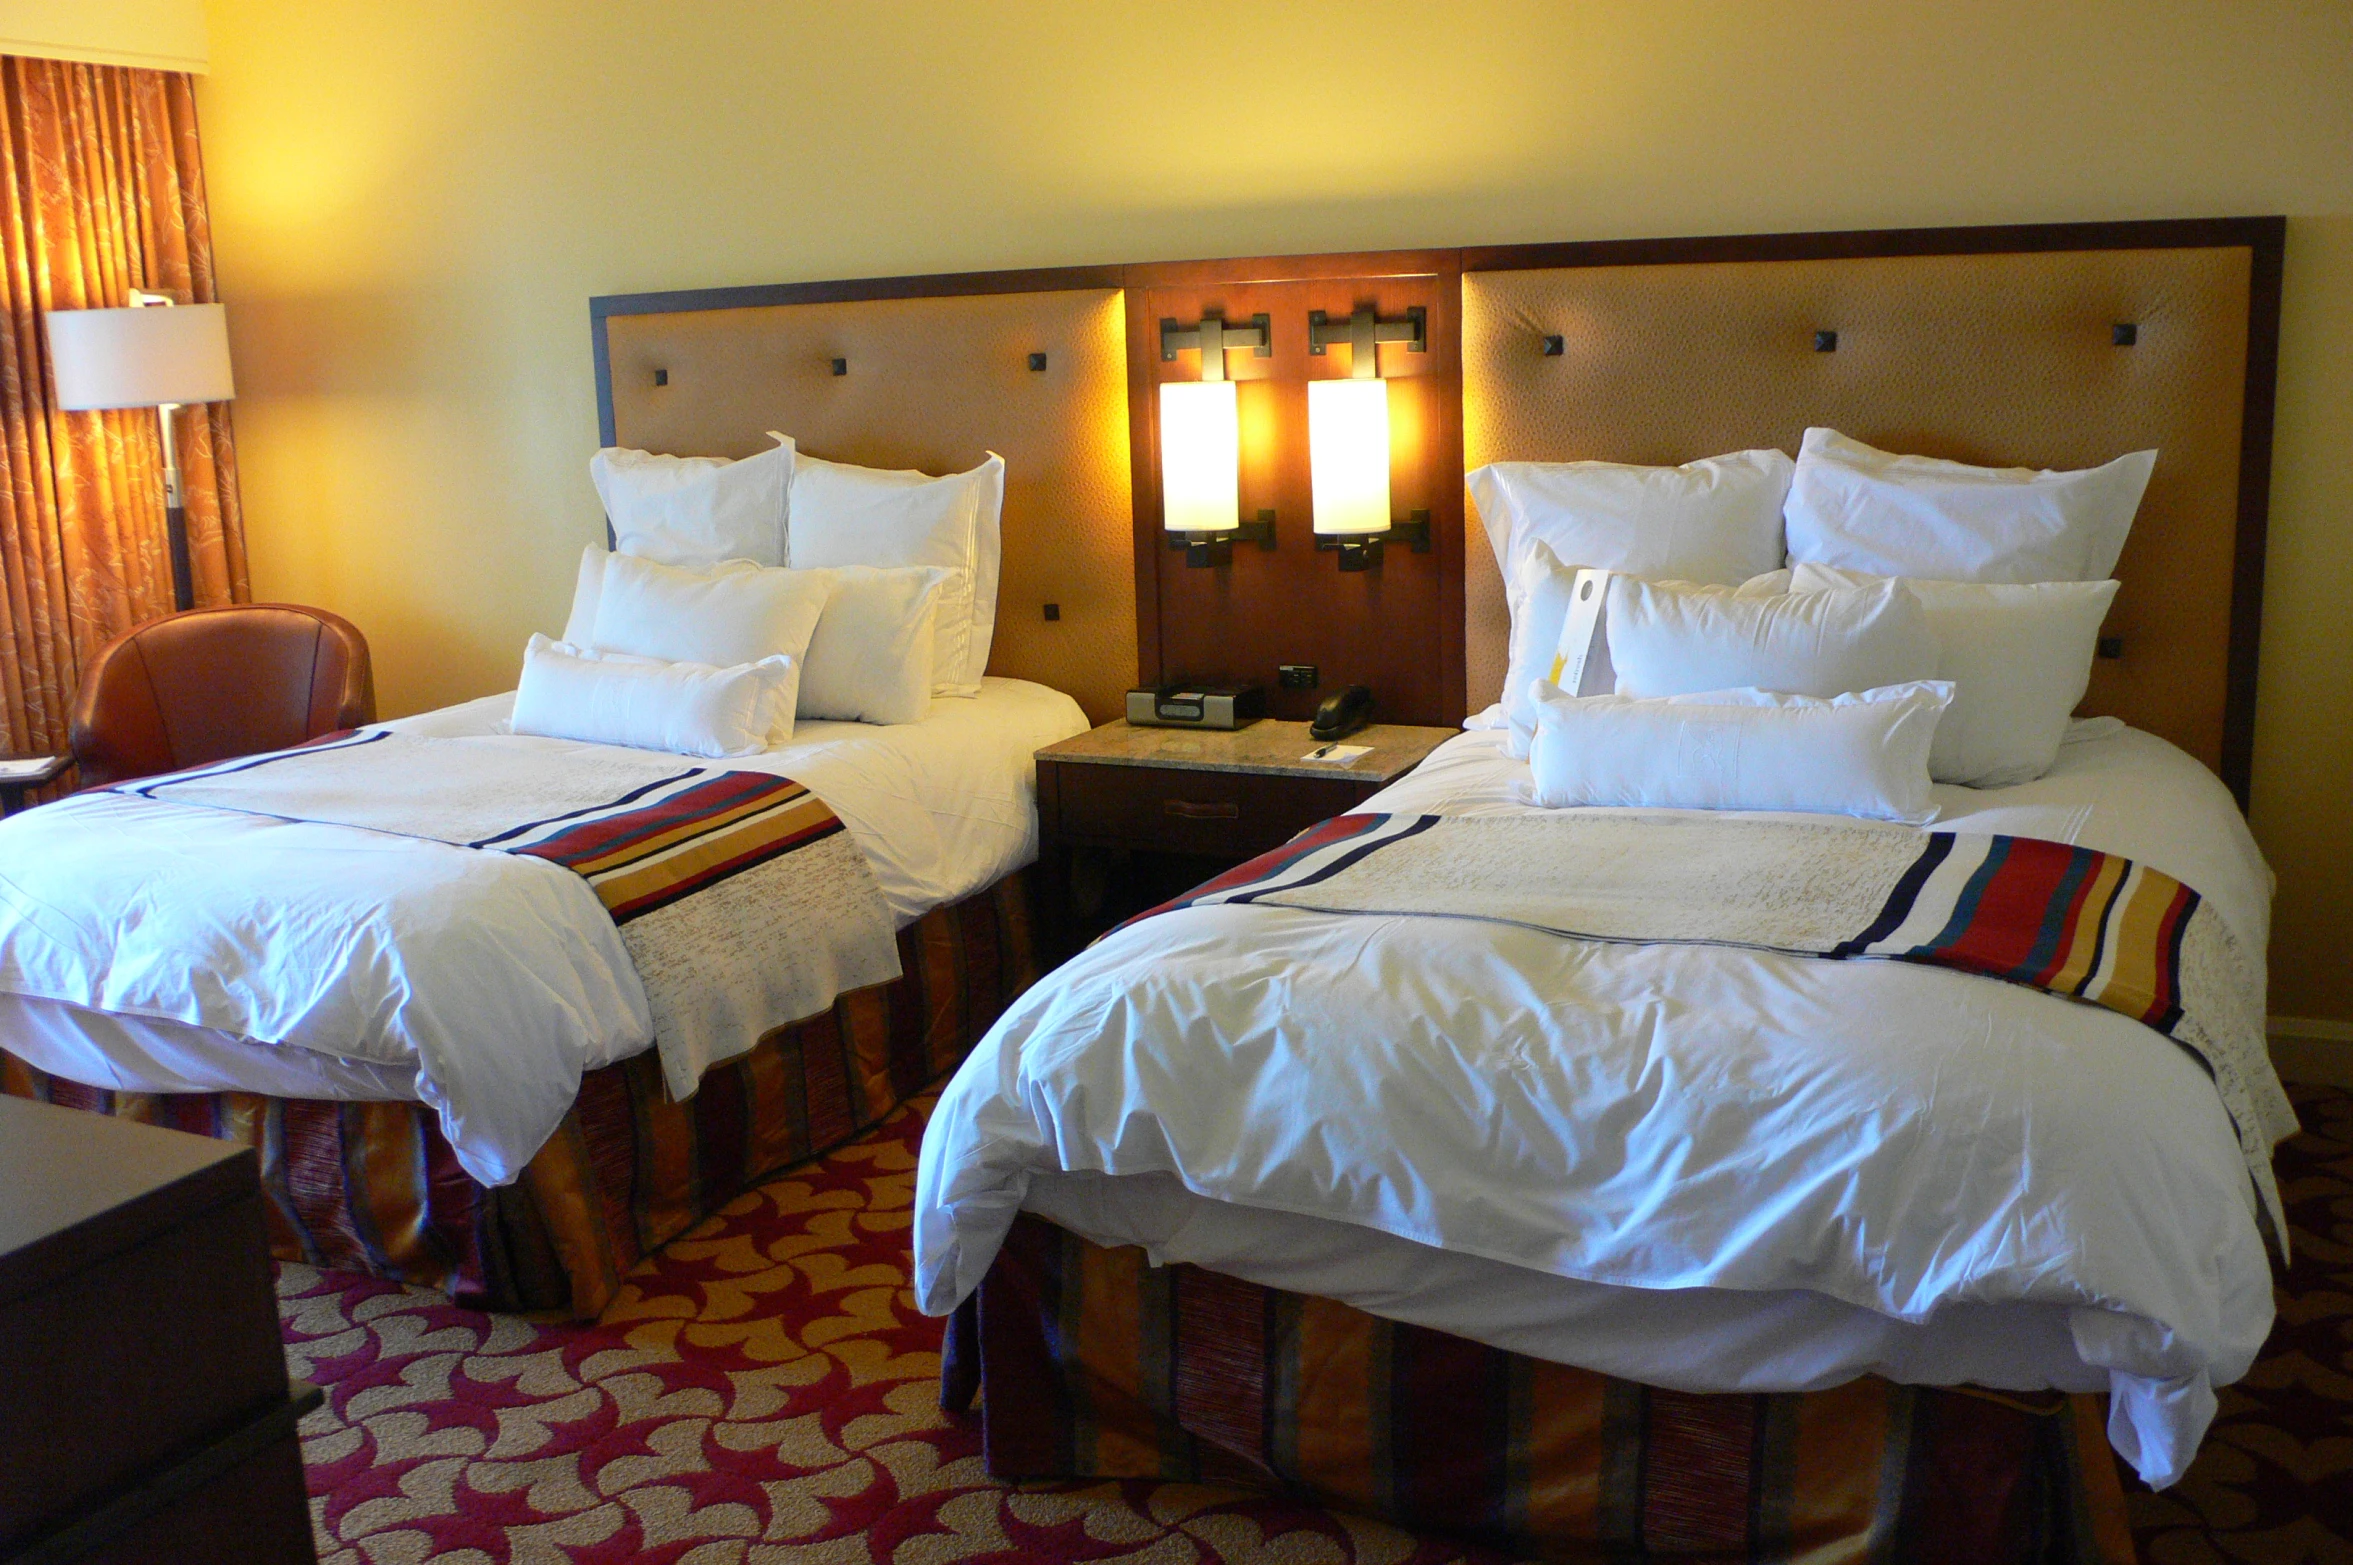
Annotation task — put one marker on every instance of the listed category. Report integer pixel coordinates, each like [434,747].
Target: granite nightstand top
[1267,747]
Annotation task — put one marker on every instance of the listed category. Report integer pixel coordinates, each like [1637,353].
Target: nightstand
[15,784]
[1131,816]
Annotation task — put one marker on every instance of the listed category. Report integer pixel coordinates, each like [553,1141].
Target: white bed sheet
[941,809]
[1740,1132]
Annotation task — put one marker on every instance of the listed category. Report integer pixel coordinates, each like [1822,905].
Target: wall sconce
[1201,444]
[1348,442]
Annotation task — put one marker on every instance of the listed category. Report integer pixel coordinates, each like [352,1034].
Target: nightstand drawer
[1214,814]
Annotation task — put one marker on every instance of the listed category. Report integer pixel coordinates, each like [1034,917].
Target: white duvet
[1711,1168]
[155,947]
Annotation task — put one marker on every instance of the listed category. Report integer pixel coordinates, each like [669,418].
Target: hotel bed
[940,810]
[1402,1193]
[479,1070]
[1698,1167]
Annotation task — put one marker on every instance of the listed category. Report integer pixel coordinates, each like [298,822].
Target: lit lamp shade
[1200,457]
[1348,454]
[140,358]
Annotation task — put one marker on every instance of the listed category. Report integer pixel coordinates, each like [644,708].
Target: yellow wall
[413,203]
[163,35]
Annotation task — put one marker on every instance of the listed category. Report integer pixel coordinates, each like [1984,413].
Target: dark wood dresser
[145,1412]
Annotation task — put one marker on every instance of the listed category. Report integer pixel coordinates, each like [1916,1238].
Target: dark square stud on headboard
[2124,334]
[1825,342]
[841,366]
[661,377]
[1037,361]
[1554,347]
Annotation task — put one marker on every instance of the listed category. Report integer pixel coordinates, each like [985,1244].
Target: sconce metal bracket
[1203,550]
[1213,337]
[1364,329]
[1362,551]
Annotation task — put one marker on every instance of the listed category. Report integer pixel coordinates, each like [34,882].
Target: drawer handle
[1186,809]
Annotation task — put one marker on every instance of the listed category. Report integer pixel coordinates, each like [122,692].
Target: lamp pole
[175,505]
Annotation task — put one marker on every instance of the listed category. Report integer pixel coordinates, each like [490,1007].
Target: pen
[1326,750]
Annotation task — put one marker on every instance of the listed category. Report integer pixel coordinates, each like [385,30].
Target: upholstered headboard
[930,382]
[2044,347]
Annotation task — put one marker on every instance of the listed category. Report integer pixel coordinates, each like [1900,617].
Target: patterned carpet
[763,1392]
[2274,1481]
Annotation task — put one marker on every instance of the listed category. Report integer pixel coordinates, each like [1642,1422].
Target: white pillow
[695,510]
[1863,753]
[1667,639]
[1917,516]
[570,692]
[2018,656]
[870,661]
[1716,521]
[1542,636]
[580,624]
[734,613]
[844,515]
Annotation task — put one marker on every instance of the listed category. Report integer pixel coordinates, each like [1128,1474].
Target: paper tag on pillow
[1580,630]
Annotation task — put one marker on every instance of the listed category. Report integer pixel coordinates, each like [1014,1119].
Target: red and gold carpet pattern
[763,1392]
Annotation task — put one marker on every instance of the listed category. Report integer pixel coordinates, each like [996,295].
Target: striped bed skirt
[375,1187]
[1092,1363]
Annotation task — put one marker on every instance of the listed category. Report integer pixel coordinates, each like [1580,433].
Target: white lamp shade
[1200,457]
[140,358]
[1348,454]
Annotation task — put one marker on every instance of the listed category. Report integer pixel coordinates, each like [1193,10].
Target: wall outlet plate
[1297,676]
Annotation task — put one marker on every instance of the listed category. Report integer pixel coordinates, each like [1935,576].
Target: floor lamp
[153,354]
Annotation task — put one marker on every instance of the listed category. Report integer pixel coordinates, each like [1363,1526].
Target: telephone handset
[1342,714]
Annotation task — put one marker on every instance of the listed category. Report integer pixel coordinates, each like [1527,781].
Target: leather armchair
[209,684]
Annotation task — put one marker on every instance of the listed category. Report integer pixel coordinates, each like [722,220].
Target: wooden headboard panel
[1984,345]
[935,371]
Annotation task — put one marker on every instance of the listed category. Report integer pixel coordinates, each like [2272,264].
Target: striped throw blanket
[741,900]
[2068,921]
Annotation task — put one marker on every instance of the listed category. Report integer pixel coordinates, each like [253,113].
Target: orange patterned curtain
[101,192]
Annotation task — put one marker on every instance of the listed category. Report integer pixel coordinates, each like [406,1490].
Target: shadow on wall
[2304,709]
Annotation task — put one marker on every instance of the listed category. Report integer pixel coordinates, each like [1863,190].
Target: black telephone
[1343,714]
